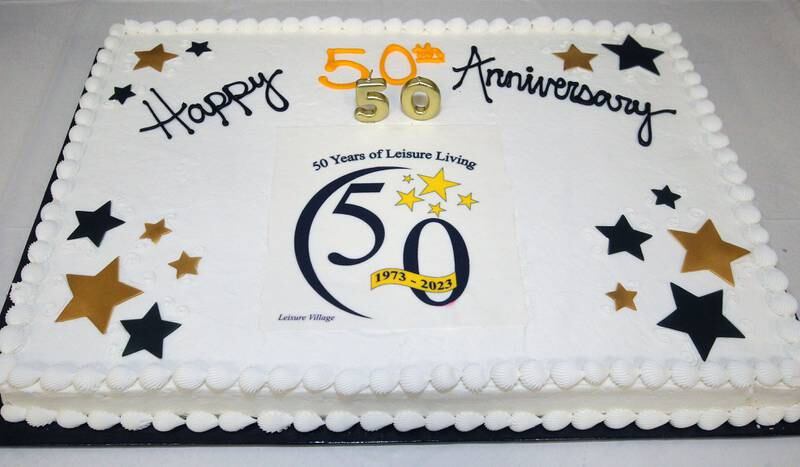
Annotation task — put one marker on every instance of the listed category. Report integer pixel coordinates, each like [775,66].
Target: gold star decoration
[467,200]
[706,251]
[408,178]
[408,199]
[185,265]
[623,298]
[153,58]
[154,232]
[94,297]
[436,209]
[575,58]
[437,184]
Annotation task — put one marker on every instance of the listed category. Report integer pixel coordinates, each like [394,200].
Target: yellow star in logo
[575,58]
[185,265]
[437,184]
[467,200]
[436,209]
[153,58]
[623,298]
[706,251]
[154,232]
[408,199]
[408,178]
[94,297]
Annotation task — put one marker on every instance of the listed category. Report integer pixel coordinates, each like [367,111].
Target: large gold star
[706,251]
[436,209]
[153,58]
[437,184]
[185,265]
[467,200]
[623,298]
[575,58]
[408,199]
[154,232]
[95,297]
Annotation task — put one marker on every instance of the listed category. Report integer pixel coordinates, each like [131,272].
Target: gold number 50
[373,106]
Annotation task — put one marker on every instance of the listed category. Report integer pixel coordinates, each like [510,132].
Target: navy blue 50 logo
[418,283]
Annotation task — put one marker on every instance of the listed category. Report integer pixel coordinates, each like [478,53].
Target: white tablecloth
[747,53]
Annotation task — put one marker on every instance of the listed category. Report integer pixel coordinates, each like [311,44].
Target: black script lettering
[214,103]
[561,89]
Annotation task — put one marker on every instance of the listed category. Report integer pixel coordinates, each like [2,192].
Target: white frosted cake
[317,224]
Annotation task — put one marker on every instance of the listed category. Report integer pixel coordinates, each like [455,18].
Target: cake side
[746,384]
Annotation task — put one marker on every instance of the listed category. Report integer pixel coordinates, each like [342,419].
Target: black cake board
[22,434]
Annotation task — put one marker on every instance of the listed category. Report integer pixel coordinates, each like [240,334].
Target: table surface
[746,52]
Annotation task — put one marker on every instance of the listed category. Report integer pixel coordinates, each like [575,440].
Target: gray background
[747,53]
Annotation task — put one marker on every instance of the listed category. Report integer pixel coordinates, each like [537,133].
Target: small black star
[148,333]
[701,318]
[632,54]
[94,224]
[666,196]
[122,94]
[623,237]
[199,48]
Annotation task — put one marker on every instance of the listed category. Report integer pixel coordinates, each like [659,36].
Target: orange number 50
[333,64]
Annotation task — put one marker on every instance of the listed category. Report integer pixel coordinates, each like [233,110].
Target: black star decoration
[148,333]
[632,54]
[122,94]
[94,224]
[666,196]
[623,237]
[701,318]
[199,48]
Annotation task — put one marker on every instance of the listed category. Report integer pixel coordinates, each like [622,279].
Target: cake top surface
[219,207]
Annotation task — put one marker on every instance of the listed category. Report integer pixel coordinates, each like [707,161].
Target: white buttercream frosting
[339,421]
[135,421]
[234,421]
[407,420]
[475,377]
[200,421]
[283,379]
[375,420]
[274,421]
[468,421]
[439,420]
[166,421]
[533,375]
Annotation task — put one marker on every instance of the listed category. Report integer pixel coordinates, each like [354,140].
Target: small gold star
[408,199]
[436,209]
[153,58]
[185,265]
[575,58]
[467,201]
[408,178]
[94,297]
[437,184]
[154,232]
[706,251]
[623,298]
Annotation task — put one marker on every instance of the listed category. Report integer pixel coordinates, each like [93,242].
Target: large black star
[148,333]
[666,196]
[701,318]
[94,224]
[122,94]
[632,54]
[623,237]
[199,48]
